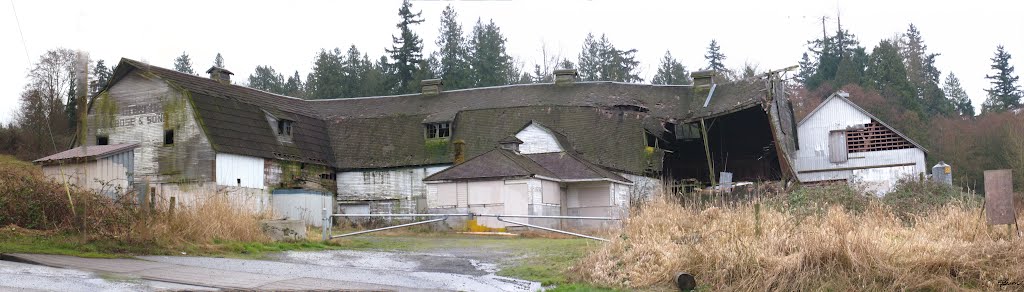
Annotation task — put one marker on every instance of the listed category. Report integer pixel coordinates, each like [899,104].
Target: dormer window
[284,128]
[438,130]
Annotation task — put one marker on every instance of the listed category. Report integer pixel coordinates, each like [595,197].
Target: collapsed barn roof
[604,121]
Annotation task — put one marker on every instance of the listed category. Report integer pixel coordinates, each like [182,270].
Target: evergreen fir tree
[71,108]
[267,79]
[183,64]
[807,68]
[454,52]
[670,71]
[326,79]
[293,87]
[100,76]
[1004,94]
[407,48]
[922,73]
[218,61]
[601,61]
[957,96]
[715,57]
[886,73]
[489,61]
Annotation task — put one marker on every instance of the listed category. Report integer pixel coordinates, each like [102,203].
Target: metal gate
[326,234]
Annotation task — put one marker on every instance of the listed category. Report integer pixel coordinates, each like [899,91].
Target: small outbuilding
[103,168]
[505,181]
[840,141]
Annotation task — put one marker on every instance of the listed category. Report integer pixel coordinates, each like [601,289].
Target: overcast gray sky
[287,34]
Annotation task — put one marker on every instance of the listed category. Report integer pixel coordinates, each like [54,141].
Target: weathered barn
[840,141]
[204,134]
[104,168]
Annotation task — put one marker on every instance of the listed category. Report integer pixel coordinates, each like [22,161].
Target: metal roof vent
[565,76]
[431,87]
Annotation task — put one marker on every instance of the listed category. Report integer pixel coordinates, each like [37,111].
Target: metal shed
[105,168]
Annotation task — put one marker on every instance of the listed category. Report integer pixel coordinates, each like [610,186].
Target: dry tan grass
[949,248]
[212,217]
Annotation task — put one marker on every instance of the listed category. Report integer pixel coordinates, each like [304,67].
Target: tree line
[463,60]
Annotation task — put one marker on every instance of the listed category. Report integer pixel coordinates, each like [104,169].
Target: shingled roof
[87,153]
[234,117]
[503,163]
[604,121]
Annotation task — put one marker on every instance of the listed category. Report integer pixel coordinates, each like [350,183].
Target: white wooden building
[107,169]
[840,141]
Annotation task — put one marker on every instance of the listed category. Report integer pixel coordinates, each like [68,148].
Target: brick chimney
[431,87]
[220,74]
[565,77]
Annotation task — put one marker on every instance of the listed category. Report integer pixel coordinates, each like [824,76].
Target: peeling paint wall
[138,109]
[392,190]
[537,139]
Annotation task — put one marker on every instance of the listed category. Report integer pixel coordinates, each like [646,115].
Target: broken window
[874,137]
[168,137]
[651,140]
[689,131]
[837,147]
[284,127]
[102,140]
[438,130]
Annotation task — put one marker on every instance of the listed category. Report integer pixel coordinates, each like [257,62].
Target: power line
[23,45]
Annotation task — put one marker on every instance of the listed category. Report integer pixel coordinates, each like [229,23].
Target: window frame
[102,140]
[435,130]
[285,127]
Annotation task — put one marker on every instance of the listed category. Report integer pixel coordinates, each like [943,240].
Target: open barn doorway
[740,142]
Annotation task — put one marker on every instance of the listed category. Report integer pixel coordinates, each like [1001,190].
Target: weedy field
[921,237]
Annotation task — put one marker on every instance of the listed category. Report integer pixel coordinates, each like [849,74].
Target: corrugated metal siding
[304,205]
[240,170]
[812,160]
[110,175]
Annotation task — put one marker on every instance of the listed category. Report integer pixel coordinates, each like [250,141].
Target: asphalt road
[28,277]
[360,270]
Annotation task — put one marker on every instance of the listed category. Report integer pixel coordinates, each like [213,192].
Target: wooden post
[757,219]
[707,152]
[170,209]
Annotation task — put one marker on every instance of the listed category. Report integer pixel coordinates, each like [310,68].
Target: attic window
[102,140]
[438,130]
[284,127]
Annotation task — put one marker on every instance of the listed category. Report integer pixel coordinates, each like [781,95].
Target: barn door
[837,152]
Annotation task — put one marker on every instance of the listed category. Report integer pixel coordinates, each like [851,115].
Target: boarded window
[837,147]
[875,137]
